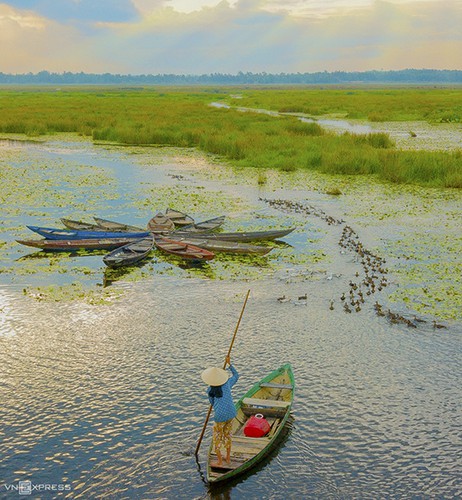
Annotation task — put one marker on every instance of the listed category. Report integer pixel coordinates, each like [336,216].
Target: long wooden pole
[224,366]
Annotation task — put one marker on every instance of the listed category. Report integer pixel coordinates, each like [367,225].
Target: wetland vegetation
[363,298]
[416,221]
[184,117]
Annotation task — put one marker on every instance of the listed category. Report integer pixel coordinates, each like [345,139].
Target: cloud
[80,10]
[146,7]
[248,35]
[32,43]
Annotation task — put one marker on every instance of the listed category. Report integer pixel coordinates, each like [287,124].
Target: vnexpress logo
[25,487]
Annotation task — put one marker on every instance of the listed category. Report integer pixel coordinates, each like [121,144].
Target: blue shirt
[223,407]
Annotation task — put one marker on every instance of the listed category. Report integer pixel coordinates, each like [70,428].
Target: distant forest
[407,76]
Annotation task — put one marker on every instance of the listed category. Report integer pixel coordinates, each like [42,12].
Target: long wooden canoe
[80,225]
[129,254]
[272,397]
[52,233]
[183,250]
[204,226]
[178,218]
[160,224]
[221,245]
[111,225]
[242,236]
[74,245]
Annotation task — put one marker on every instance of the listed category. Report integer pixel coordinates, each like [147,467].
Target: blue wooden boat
[51,233]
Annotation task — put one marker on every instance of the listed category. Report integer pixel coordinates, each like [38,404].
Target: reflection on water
[341,125]
[6,313]
[108,398]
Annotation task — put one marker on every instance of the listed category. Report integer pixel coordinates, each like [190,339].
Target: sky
[210,36]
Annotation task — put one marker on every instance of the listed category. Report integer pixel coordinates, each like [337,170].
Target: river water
[104,399]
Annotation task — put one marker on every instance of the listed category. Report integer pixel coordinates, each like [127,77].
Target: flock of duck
[373,280]
[178,234]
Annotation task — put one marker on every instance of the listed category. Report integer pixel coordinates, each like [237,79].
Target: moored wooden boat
[272,397]
[221,245]
[160,224]
[183,250]
[75,234]
[110,225]
[129,254]
[80,225]
[240,236]
[178,218]
[204,226]
[74,245]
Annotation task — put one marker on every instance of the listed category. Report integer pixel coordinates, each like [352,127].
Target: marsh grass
[435,105]
[184,118]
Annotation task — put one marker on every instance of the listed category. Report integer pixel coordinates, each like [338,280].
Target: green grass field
[183,117]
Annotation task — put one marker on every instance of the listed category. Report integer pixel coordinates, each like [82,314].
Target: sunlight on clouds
[193,5]
[20,19]
[247,35]
[311,8]
[147,7]
[35,43]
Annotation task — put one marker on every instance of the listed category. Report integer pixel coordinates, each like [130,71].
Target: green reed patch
[383,104]
[425,168]
[185,118]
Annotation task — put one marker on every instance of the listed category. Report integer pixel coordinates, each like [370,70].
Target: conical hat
[214,376]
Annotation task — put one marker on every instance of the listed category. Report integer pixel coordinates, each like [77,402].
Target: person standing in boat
[220,397]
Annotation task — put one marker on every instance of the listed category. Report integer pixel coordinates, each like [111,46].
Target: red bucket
[257,426]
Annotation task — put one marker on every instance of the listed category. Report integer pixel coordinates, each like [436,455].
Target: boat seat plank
[266,412]
[266,402]
[276,386]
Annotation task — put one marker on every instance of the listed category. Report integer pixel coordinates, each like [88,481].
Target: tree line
[407,76]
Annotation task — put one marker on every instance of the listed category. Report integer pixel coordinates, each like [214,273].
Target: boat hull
[183,250]
[179,218]
[79,225]
[74,245]
[109,225]
[205,226]
[160,224]
[222,245]
[51,233]
[129,254]
[273,397]
[239,236]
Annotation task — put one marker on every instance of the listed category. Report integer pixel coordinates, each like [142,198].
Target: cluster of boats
[173,232]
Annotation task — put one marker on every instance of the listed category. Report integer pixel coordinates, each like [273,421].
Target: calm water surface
[108,398]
